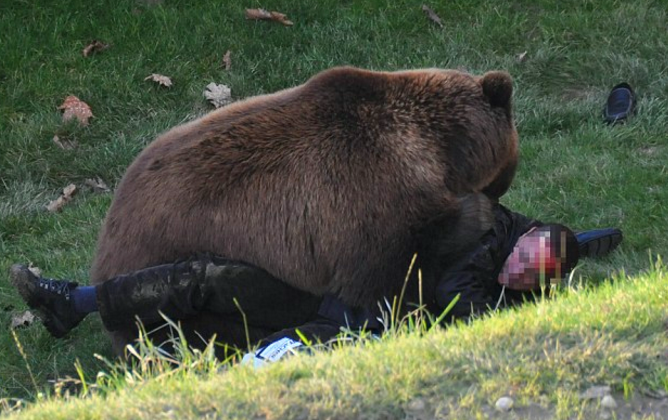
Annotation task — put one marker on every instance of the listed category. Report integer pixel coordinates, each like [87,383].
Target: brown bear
[327,185]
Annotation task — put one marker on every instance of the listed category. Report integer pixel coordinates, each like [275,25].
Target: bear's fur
[327,185]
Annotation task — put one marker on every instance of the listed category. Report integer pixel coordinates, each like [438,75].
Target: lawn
[564,57]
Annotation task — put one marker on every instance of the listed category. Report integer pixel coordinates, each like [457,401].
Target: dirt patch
[639,407]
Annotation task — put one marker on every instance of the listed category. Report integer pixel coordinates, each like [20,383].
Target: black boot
[49,298]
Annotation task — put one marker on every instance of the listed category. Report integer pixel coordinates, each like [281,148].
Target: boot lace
[59,287]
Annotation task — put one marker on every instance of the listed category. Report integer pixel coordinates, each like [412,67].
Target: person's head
[544,255]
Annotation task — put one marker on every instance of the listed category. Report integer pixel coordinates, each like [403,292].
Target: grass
[543,356]
[574,170]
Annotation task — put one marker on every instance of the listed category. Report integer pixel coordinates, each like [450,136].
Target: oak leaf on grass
[65,197]
[160,79]
[218,95]
[262,14]
[22,319]
[432,15]
[93,47]
[74,107]
[98,185]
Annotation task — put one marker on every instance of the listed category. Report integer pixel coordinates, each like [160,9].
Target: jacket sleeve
[471,280]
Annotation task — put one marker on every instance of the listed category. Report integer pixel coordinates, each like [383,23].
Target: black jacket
[472,276]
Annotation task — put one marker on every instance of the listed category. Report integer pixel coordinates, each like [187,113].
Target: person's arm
[470,282]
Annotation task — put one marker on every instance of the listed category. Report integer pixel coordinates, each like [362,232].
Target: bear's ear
[498,88]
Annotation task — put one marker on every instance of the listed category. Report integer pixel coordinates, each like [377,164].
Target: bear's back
[324,185]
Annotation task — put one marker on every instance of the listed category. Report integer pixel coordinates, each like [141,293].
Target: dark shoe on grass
[51,299]
[599,242]
[620,105]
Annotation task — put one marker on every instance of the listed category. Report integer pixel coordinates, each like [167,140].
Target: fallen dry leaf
[58,203]
[56,140]
[36,271]
[97,185]
[432,15]
[160,79]
[258,14]
[262,14]
[74,107]
[227,60]
[64,144]
[522,56]
[23,319]
[218,95]
[93,47]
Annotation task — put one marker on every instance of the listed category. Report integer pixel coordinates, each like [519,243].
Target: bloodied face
[543,256]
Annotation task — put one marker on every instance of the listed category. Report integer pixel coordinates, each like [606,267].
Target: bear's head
[470,120]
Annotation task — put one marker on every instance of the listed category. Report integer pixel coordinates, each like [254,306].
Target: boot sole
[602,246]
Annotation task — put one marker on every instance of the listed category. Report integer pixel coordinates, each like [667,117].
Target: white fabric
[271,353]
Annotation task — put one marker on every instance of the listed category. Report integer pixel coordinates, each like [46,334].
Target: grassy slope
[574,169]
[543,356]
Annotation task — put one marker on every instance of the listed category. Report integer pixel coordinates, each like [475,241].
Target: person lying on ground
[508,266]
